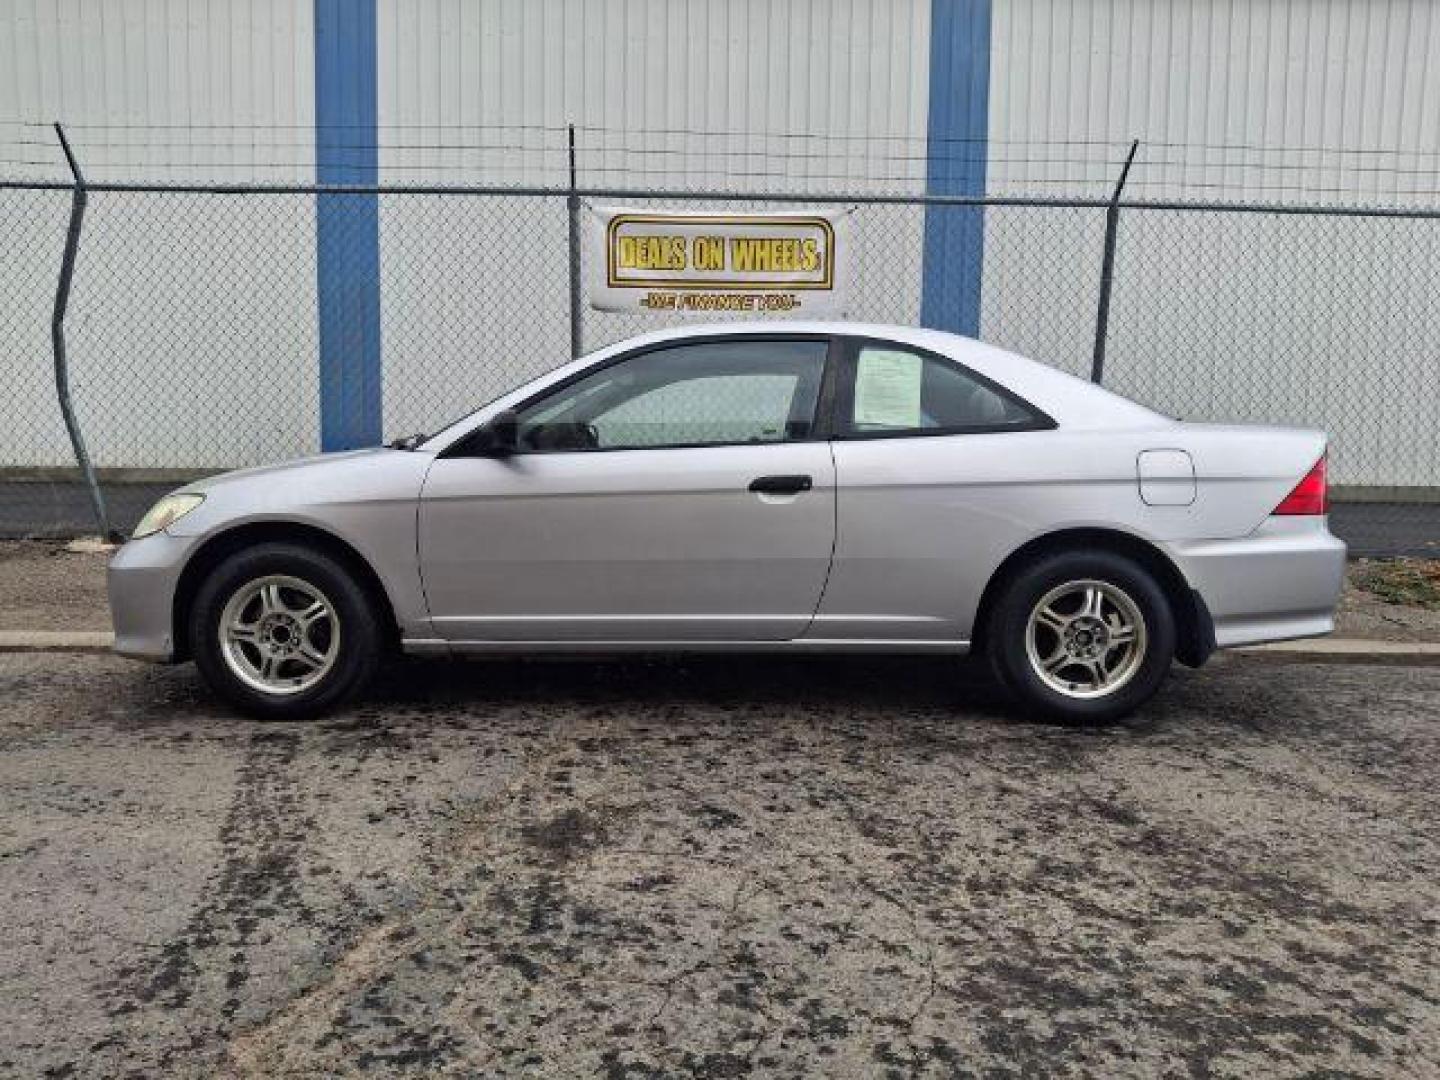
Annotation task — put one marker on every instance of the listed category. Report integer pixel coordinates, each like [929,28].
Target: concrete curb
[1339,648]
[1348,647]
[56,640]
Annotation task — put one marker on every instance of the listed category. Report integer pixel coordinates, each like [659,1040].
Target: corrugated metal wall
[1264,318]
[1291,99]
[1276,100]
[664,91]
[159,89]
[177,299]
[754,95]
[1265,100]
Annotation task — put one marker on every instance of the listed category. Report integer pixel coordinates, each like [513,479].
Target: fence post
[573,202]
[78,199]
[1107,269]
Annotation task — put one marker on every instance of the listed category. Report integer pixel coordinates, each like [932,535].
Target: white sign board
[702,262]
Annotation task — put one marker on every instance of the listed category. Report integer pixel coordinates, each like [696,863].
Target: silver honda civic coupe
[831,487]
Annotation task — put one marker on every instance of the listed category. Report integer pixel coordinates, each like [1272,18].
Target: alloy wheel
[1086,639]
[279,635]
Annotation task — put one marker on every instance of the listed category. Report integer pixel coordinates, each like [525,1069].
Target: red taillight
[1311,494]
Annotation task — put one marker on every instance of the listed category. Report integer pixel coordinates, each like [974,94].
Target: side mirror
[500,435]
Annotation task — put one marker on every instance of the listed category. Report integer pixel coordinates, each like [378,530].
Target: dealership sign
[785,263]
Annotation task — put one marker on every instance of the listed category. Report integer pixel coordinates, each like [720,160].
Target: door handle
[781,485]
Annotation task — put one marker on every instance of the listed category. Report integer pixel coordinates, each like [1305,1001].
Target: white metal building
[1321,101]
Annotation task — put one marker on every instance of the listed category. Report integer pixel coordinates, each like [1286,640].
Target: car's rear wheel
[283,631]
[1086,636]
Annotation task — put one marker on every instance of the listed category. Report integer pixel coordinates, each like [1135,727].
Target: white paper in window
[887,389]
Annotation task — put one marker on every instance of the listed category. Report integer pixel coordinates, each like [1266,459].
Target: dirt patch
[568,835]
[45,587]
[1406,582]
[1391,600]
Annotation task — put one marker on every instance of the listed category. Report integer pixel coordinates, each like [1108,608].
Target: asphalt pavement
[727,867]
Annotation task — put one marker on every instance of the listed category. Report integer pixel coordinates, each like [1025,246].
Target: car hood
[333,491]
[314,464]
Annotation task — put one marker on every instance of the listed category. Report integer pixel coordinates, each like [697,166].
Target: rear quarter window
[897,391]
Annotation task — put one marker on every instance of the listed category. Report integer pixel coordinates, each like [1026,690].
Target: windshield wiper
[409,442]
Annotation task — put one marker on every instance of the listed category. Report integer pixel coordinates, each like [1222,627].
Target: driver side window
[709,394]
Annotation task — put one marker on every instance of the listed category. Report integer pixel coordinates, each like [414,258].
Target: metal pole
[1107,269]
[573,201]
[78,200]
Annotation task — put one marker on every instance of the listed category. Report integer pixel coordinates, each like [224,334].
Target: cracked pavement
[719,867]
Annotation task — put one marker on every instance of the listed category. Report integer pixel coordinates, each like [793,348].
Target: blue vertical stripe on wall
[958,129]
[347,227]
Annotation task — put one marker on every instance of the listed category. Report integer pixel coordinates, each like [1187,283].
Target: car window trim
[848,368]
[461,447]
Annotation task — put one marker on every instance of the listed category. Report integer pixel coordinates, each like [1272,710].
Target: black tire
[356,654]
[1008,627]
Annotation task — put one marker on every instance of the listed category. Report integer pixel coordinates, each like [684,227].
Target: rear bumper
[1282,581]
[141,581]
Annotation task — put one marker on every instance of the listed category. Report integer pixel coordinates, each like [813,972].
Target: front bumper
[142,579]
[1282,581]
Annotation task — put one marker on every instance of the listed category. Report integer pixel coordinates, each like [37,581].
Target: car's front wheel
[283,631]
[1085,636]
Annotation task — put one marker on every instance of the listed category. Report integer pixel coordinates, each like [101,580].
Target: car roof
[910,334]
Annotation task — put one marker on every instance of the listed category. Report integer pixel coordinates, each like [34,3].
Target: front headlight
[166,512]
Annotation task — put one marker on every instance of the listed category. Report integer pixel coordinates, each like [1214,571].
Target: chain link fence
[193,334]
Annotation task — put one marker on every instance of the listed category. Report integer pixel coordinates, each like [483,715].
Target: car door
[682,492]
[928,470]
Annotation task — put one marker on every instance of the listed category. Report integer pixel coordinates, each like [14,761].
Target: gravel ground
[719,868]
